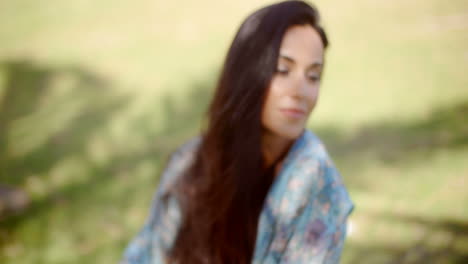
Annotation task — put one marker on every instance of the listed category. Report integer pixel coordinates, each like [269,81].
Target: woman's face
[294,88]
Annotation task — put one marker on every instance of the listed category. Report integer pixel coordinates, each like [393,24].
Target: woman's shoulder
[334,185]
[314,145]
[188,148]
[179,161]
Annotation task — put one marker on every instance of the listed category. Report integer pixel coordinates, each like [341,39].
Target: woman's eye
[314,78]
[282,71]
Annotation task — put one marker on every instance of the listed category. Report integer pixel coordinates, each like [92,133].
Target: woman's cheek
[313,97]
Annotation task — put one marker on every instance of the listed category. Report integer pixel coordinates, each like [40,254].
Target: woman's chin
[291,133]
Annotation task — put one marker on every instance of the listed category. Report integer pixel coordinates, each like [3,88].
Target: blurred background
[94,96]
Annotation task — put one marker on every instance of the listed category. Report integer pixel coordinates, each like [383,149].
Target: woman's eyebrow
[313,65]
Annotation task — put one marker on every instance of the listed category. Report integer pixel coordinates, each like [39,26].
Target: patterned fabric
[303,219]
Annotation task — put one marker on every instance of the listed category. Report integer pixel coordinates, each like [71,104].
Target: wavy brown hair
[222,193]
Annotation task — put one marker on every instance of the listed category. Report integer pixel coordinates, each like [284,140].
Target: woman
[256,186]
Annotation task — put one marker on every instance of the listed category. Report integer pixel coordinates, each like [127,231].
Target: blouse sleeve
[343,206]
[320,230]
[160,229]
[333,255]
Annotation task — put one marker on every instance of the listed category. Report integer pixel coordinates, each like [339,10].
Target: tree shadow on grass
[90,198]
[47,115]
[393,142]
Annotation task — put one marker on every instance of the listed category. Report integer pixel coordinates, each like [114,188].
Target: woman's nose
[299,86]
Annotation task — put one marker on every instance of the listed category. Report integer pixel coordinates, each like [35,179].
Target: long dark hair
[223,191]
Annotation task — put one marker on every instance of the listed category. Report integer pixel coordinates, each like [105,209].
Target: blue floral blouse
[303,219]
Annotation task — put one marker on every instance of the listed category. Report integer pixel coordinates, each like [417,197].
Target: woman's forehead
[302,43]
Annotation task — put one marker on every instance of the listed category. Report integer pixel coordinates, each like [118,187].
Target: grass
[95,95]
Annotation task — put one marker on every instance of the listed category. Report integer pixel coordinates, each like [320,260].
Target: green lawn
[94,95]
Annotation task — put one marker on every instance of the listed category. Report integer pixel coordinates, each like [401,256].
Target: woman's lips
[293,113]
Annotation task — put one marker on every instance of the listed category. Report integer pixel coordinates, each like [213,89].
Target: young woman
[255,186]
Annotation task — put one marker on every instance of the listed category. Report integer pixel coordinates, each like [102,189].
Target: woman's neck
[274,148]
